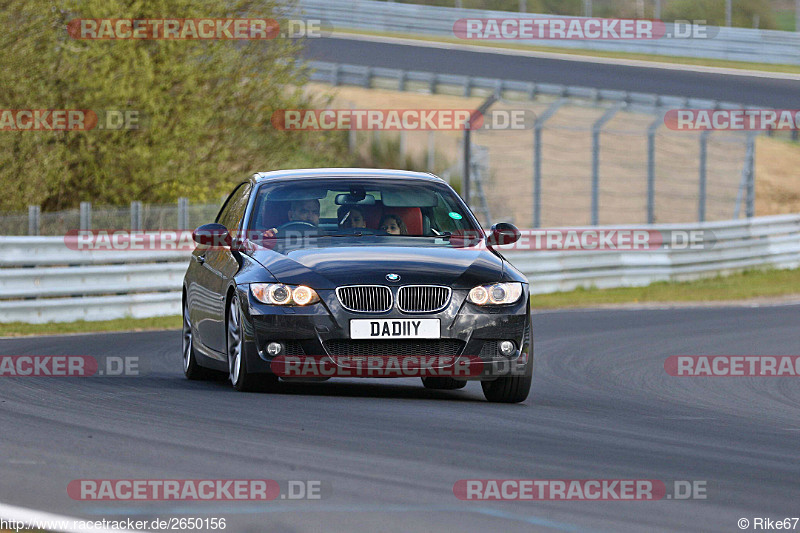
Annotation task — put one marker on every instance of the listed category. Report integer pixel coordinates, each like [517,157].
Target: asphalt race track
[754,91]
[389,452]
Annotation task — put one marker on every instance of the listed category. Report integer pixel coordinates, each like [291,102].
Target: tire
[191,369]
[240,378]
[512,389]
[443,383]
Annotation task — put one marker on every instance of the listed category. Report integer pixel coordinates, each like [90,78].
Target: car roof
[345,173]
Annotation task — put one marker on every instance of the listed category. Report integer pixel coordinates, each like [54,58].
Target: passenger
[393,225]
[351,218]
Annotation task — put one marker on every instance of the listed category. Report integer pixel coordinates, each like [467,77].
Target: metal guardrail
[772,241]
[735,44]
[37,287]
[44,280]
[364,76]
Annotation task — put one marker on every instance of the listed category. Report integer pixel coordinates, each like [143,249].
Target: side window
[233,211]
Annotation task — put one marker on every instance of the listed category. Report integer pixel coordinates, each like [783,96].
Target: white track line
[567,57]
[30,517]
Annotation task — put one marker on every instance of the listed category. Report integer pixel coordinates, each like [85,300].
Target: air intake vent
[400,347]
[423,298]
[365,298]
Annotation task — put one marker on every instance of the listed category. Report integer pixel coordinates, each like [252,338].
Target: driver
[300,211]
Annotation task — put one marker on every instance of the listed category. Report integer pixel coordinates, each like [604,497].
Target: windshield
[359,207]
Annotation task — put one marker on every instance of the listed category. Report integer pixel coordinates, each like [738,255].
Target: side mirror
[215,235]
[503,233]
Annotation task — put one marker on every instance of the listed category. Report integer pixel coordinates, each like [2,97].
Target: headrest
[411,216]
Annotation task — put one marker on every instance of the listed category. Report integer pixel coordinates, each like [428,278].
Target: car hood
[337,265]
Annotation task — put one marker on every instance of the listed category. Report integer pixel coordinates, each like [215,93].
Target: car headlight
[495,294]
[280,294]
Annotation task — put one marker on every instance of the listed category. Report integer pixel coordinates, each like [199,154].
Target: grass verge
[694,61]
[15,329]
[746,285]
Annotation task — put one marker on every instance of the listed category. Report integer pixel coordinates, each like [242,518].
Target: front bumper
[317,338]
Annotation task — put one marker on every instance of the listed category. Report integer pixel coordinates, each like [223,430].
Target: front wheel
[512,389]
[241,379]
[191,369]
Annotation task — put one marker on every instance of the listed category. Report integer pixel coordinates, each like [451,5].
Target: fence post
[728,13]
[183,213]
[368,78]
[478,113]
[596,129]
[86,215]
[335,74]
[431,150]
[403,143]
[465,175]
[751,176]
[537,159]
[352,140]
[34,220]
[532,90]
[136,216]
[797,15]
[651,168]
[701,194]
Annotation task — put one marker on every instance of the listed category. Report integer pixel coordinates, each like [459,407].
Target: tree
[204,106]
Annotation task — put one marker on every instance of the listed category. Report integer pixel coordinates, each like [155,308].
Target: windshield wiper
[446,235]
[356,234]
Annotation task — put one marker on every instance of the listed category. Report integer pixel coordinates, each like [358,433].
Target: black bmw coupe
[313,274]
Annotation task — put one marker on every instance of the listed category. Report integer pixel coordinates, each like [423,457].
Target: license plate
[395,328]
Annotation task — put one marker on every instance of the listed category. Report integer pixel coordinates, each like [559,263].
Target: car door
[217,267]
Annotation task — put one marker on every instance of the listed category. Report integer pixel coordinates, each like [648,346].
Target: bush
[713,11]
